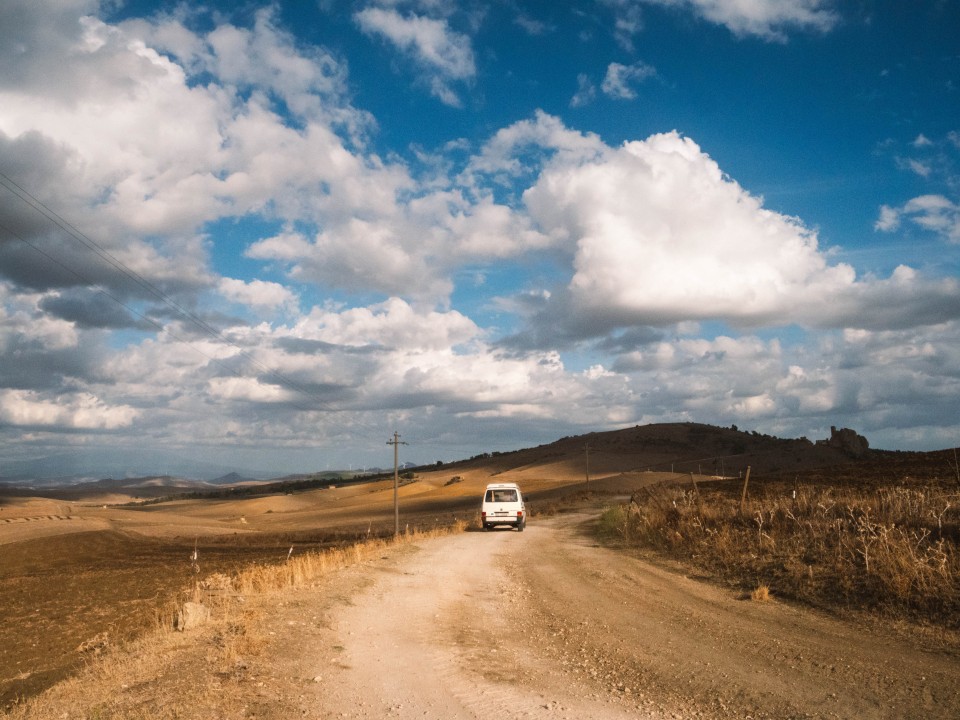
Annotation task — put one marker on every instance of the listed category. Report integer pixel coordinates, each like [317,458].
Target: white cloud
[544,132]
[268,58]
[768,19]
[659,235]
[76,411]
[586,91]
[917,167]
[805,388]
[533,26]
[23,320]
[258,293]
[619,79]
[935,213]
[130,145]
[391,324]
[662,235]
[112,126]
[446,54]
[408,248]
[147,131]
[248,389]
[628,21]
[889,219]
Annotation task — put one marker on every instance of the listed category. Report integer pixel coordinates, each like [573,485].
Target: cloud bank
[643,283]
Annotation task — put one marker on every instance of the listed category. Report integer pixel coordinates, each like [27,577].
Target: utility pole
[396,442]
[586,450]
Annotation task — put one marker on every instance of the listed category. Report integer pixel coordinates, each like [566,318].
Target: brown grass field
[95,571]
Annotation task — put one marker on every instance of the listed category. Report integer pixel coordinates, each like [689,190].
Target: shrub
[893,549]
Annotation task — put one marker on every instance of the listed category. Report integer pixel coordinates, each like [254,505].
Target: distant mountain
[70,468]
[233,478]
[143,487]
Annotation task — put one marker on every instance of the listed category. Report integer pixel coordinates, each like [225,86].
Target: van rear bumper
[492,520]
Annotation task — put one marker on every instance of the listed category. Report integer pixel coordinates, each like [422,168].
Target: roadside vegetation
[205,671]
[892,549]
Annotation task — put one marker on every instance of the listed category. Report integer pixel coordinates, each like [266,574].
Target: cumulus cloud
[91,308]
[767,19]
[586,91]
[77,411]
[387,358]
[935,213]
[445,54]
[937,210]
[391,324]
[659,235]
[409,248]
[131,147]
[620,78]
[533,26]
[503,154]
[155,129]
[628,21]
[800,389]
[889,219]
[259,294]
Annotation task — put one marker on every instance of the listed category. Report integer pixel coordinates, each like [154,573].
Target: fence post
[743,495]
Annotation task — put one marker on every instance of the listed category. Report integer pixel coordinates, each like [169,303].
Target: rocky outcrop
[847,441]
[191,615]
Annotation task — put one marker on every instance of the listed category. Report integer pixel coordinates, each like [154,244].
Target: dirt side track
[548,624]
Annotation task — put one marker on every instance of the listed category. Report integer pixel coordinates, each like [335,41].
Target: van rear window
[509,495]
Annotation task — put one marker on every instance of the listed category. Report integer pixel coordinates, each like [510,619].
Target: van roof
[502,485]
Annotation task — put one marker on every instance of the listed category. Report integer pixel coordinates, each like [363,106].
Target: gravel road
[547,624]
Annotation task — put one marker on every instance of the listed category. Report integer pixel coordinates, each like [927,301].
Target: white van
[503,505]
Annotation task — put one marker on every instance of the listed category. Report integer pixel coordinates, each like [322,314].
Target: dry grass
[890,549]
[191,675]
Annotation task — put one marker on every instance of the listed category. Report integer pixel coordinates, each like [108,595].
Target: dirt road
[547,624]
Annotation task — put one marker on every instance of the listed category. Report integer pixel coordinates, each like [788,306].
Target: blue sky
[283,231]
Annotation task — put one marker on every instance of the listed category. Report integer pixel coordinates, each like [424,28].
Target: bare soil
[78,577]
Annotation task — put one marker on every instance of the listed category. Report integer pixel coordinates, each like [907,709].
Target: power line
[152,290]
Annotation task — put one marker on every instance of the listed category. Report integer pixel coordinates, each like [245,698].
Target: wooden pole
[586,449]
[743,496]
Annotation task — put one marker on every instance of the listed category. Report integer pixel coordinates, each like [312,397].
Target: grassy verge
[888,549]
[200,674]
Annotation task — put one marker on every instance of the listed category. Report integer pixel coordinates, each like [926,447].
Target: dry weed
[168,674]
[892,549]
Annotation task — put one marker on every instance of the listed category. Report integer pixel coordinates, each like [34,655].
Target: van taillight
[483,513]
[519,513]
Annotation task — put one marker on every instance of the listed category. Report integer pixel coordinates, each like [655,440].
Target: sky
[271,235]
